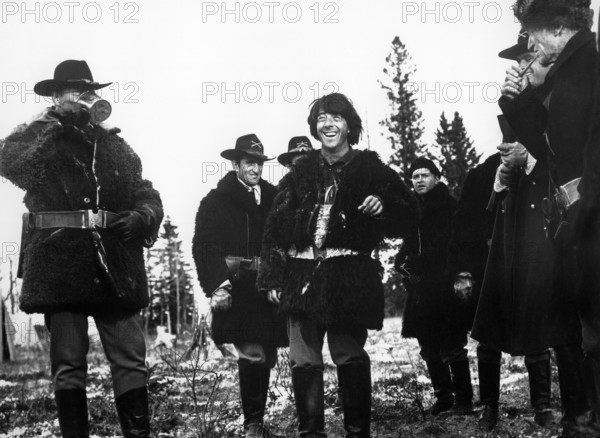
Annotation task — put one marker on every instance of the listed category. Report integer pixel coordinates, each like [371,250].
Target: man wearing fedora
[332,210]
[297,148]
[226,248]
[90,215]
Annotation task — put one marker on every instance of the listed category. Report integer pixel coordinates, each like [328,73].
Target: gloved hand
[273,296]
[130,226]
[507,175]
[513,154]
[221,299]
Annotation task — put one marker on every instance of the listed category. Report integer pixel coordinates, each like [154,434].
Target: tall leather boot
[72,413]
[254,384]
[540,382]
[339,398]
[489,393]
[356,381]
[310,404]
[463,391]
[575,408]
[132,409]
[591,366]
[439,373]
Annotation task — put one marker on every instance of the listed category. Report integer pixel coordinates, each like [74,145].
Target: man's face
[423,181]
[249,170]
[332,130]
[547,43]
[536,73]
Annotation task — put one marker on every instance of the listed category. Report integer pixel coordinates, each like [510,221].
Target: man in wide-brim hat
[226,247]
[91,214]
[297,147]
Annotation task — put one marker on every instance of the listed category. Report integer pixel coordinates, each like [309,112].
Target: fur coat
[54,164]
[229,222]
[343,290]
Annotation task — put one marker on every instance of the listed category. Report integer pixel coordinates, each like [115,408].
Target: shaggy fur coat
[428,306]
[338,291]
[229,222]
[54,165]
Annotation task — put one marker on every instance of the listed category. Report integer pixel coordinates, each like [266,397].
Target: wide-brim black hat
[296,146]
[246,145]
[69,74]
[513,52]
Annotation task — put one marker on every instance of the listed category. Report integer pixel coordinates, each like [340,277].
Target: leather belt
[312,253]
[85,219]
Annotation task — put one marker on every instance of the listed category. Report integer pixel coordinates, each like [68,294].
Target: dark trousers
[123,341]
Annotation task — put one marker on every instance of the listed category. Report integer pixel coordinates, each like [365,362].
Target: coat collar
[580,39]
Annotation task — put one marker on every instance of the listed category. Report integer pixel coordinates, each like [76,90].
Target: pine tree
[170,283]
[455,152]
[404,124]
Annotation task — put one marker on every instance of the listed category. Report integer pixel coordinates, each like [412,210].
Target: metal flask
[99,109]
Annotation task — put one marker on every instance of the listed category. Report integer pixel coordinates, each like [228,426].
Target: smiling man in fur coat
[333,209]
[91,214]
[226,248]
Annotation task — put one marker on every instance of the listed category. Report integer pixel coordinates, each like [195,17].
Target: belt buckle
[94,219]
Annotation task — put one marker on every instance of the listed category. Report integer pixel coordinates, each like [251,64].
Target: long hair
[339,105]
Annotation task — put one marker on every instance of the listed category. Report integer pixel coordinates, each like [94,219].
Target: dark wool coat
[54,165]
[428,306]
[519,311]
[472,228]
[588,231]
[229,222]
[568,89]
[345,290]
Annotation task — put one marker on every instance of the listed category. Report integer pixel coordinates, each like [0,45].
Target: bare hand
[513,83]
[371,205]
[221,300]
[513,154]
[273,296]
[463,285]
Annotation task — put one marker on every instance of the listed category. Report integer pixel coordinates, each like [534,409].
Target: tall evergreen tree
[404,124]
[455,152]
[170,282]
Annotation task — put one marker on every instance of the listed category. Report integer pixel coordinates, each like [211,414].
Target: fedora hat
[513,52]
[68,74]
[296,146]
[246,145]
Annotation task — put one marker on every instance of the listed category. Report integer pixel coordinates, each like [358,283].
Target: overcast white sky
[189,77]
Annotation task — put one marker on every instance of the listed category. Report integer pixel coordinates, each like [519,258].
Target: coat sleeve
[146,199]
[27,154]
[400,207]
[273,257]
[206,246]
[527,116]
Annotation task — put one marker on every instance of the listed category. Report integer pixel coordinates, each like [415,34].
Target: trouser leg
[346,346]
[123,340]
[540,381]
[454,353]
[68,348]
[254,365]
[306,360]
[439,374]
[592,381]
[576,412]
[488,365]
